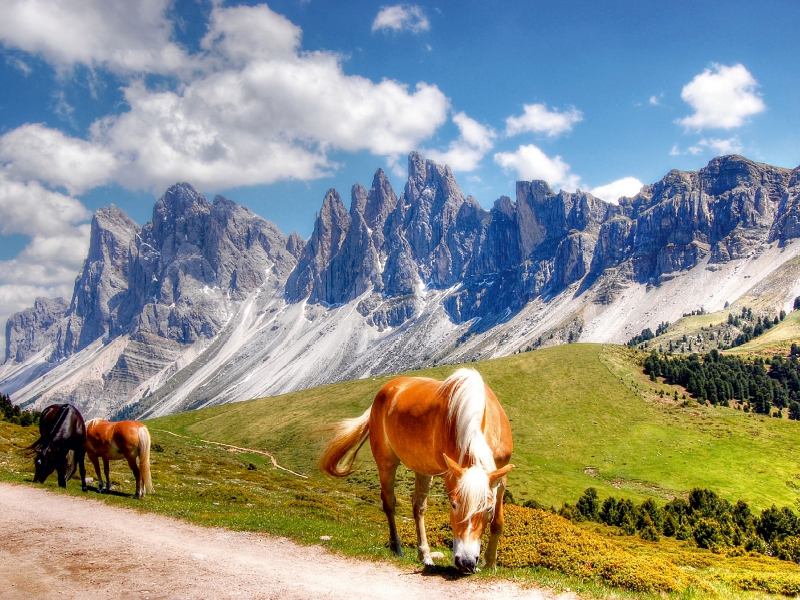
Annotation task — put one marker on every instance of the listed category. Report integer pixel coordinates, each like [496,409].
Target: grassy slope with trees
[583,415]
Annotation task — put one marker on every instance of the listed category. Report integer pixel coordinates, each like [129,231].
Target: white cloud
[655,100]
[722,97]
[59,243]
[401,17]
[31,209]
[243,33]
[259,110]
[35,151]
[464,154]
[118,35]
[612,192]
[719,147]
[538,119]
[20,64]
[530,163]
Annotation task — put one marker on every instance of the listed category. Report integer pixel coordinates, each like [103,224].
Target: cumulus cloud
[538,119]
[474,141]
[257,110]
[118,35]
[401,17]
[59,241]
[36,152]
[529,163]
[611,192]
[722,97]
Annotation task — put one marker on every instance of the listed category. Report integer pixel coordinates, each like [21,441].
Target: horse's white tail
[144,459]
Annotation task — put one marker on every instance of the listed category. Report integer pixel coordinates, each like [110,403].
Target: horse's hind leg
[80,456]
[387,476]
[105,470]
[422,485]
[137,475]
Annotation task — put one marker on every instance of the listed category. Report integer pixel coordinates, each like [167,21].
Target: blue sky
[112,101]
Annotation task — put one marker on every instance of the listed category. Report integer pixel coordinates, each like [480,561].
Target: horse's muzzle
[465,565]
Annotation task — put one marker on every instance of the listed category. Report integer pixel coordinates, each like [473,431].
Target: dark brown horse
[60,447]
[114,440]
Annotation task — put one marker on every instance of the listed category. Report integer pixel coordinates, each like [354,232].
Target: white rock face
[209,303]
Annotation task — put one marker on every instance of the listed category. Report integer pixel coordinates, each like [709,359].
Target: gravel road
[58,546]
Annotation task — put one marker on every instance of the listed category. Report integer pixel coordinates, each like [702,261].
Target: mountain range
[209,303]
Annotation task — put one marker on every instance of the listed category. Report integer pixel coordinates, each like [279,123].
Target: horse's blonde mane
[466,407]
[94,421]
[474,492]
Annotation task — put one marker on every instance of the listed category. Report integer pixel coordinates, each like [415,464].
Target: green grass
[582,415]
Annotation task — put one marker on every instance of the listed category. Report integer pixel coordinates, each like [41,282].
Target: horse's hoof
[84,488]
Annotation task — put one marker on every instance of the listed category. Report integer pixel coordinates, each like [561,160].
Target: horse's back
[113,439]
[411,413]
[409,420]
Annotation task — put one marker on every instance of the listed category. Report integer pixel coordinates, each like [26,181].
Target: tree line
[12,413]
[703,517]
[758,384]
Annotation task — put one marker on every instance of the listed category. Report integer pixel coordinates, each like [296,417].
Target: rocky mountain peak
[34,329]
[381,201]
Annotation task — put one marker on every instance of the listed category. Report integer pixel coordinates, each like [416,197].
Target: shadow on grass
[92,488]
[448,573]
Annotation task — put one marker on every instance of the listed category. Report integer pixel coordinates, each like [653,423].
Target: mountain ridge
[210,303]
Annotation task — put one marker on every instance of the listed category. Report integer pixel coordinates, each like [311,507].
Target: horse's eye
[454,504]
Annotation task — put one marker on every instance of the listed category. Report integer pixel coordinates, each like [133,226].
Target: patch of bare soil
[59,546]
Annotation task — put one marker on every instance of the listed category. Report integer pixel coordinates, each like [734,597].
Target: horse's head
[44,465]
[473,495]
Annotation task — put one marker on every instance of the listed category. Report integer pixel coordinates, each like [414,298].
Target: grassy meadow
[583,415]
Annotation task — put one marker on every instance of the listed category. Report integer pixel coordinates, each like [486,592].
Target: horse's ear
[452,466]
[495,476]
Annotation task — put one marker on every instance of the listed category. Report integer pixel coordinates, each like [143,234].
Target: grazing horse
[62,434]
[117,440]
[455,429]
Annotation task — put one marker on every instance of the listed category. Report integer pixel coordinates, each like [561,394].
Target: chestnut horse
[117,440]
[455,429]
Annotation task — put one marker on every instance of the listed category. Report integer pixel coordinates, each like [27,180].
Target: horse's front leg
[422,485]
[96,465]
[62,476]
[495,527]
[387,476]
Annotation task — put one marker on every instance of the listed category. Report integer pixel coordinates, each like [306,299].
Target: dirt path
[58,546]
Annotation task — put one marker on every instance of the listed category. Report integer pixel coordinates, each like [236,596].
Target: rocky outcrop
[102,284]
[34,329]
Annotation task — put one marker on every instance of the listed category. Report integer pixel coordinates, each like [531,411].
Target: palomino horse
[116,440]
[62,434]
[456,429]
